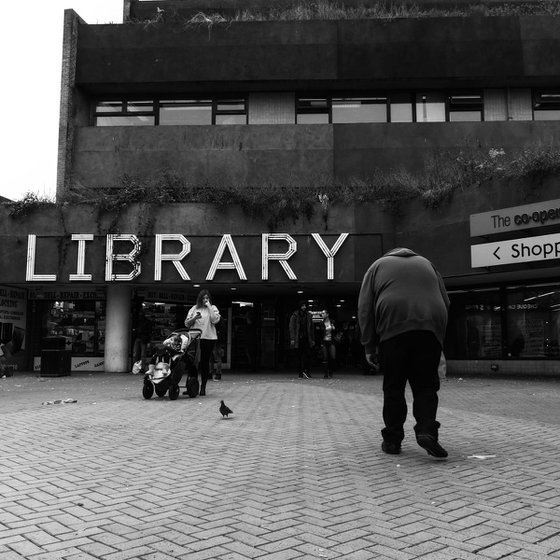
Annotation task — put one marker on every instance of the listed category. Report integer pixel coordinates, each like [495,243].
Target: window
[465,107]
[533,322]
[185,112]
[430,107]
[312,110]
[400,106]
[124,113]
[359,109]
[546,105]
[475,325]
[230,111]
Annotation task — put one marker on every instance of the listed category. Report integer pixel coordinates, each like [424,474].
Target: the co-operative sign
[516,251]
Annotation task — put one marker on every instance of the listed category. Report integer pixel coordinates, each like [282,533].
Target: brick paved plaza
[296,472]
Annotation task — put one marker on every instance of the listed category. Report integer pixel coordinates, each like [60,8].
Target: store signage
[516,251]
[13,313]
[133,257]
[516,218]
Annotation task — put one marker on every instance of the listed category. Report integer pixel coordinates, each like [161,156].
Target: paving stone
[297,472]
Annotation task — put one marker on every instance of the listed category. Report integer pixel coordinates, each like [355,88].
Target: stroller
[176,355]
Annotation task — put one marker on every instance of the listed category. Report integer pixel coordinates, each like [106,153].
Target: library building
[270,159]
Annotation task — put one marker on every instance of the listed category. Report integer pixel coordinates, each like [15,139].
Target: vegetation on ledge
[444,173]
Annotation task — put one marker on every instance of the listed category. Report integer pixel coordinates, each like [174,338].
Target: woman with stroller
[204,316]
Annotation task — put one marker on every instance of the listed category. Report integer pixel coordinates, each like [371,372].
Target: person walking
[302,338]
[403,308]
[204,316]
[328,343]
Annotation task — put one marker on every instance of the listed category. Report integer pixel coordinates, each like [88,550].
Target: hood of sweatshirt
[400,252]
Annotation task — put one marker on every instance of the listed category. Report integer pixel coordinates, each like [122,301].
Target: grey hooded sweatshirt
[401,291]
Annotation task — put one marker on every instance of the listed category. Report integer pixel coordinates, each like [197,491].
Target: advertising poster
[13,309]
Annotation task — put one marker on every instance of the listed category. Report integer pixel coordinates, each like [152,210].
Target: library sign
[521,250]
[172,257]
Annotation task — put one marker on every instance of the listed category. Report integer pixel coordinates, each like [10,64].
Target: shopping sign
[516,251]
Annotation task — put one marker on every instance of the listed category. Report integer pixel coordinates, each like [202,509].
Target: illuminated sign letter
[281,257]
[30,275]
[81,238]
[330,253]
[226,241]
[174,258]
[131,257]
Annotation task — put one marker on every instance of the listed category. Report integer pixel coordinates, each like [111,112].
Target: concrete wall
[284,153]
[401,52]
[441,234]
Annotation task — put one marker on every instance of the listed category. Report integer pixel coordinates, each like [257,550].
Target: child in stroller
[171,359]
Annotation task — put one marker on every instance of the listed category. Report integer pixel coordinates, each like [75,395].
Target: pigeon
[224,409]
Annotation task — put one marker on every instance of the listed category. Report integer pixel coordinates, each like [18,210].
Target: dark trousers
[303,356]
[206,348]
[414,357]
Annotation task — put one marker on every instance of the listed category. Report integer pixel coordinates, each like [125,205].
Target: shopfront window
[81,323]
[533,322]
[475,326]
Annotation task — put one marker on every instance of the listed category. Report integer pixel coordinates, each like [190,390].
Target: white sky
[31,47]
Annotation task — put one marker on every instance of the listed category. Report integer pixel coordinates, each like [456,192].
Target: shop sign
[516,218]
[77,363]
[516,251]
[125,250]
[65,295]
[13,310]
[163,296]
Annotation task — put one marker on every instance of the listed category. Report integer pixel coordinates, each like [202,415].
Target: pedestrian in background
[142,338]
[403,308]
[204,316]
[302,338]
[328,343]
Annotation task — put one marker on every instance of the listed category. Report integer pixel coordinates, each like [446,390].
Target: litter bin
[55,360]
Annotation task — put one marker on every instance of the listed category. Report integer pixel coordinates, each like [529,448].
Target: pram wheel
[173,392]
[192,386]
[161,390]
[147,390]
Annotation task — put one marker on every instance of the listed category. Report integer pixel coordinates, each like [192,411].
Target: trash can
[55,360]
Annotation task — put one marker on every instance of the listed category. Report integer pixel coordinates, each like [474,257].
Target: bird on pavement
[224,409]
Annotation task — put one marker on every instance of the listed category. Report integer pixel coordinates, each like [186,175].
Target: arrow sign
[516,251]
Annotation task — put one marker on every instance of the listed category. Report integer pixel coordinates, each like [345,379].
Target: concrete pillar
[117,327]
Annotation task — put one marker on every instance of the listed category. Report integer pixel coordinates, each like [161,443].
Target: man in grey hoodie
[402,309]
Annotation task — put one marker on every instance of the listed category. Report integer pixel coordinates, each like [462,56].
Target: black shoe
[306,375]
[301,375]
[202,392]
[431,445]
[391,448]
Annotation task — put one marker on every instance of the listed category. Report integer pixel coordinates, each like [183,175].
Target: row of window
[521,322]
[391,107]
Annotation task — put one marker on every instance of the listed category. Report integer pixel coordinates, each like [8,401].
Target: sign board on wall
[13,311]
[515,251]
[516,218]
[77,364]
